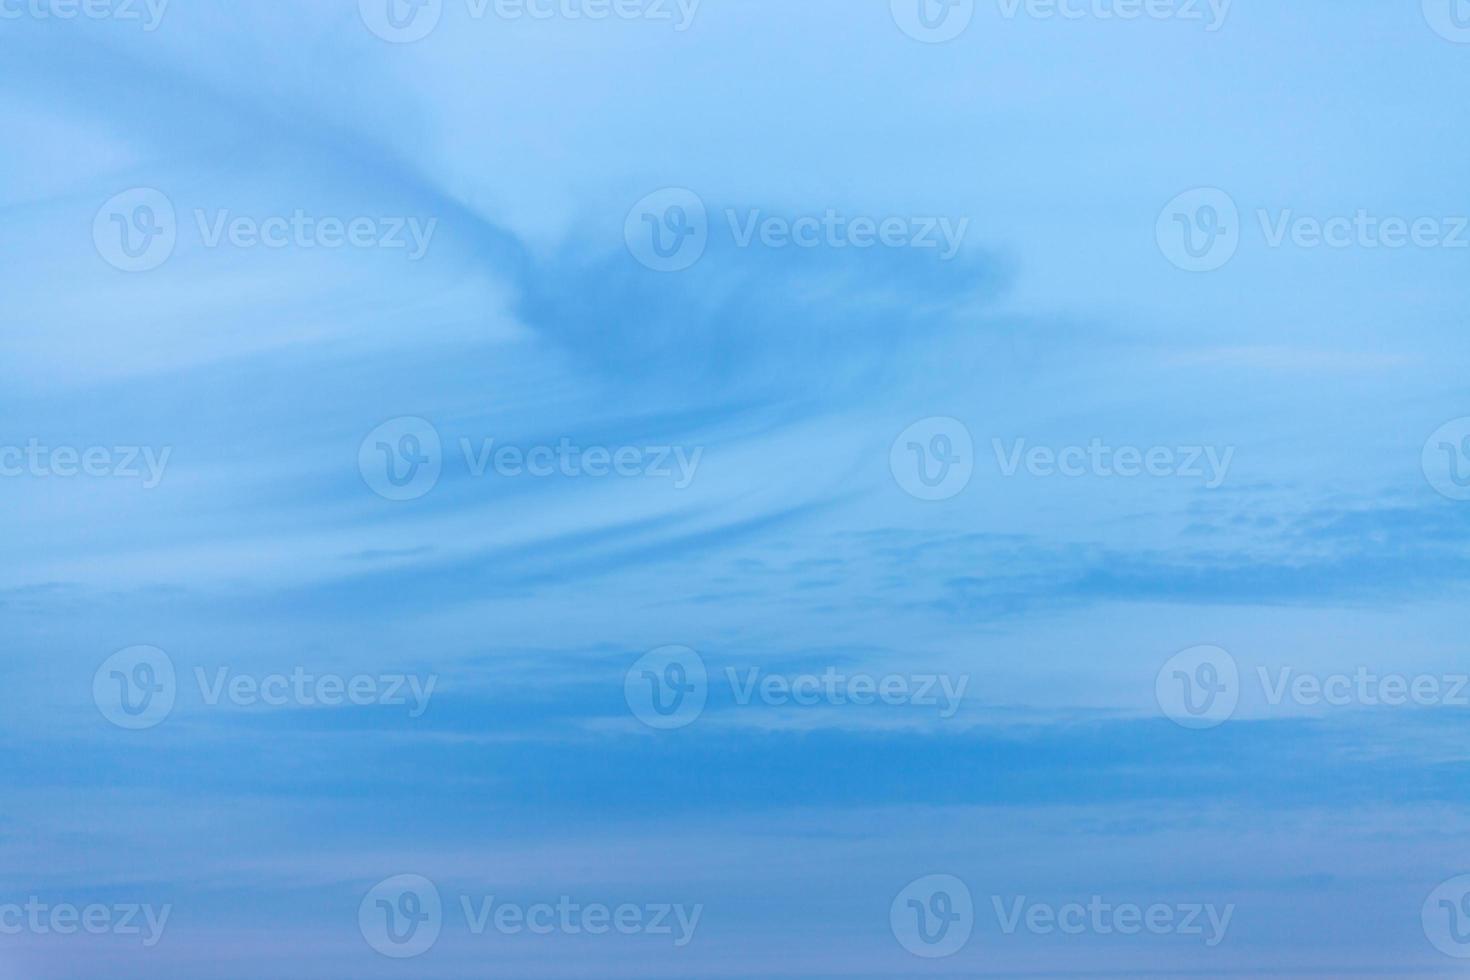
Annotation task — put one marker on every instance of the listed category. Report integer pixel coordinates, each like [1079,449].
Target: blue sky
[1327,537]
